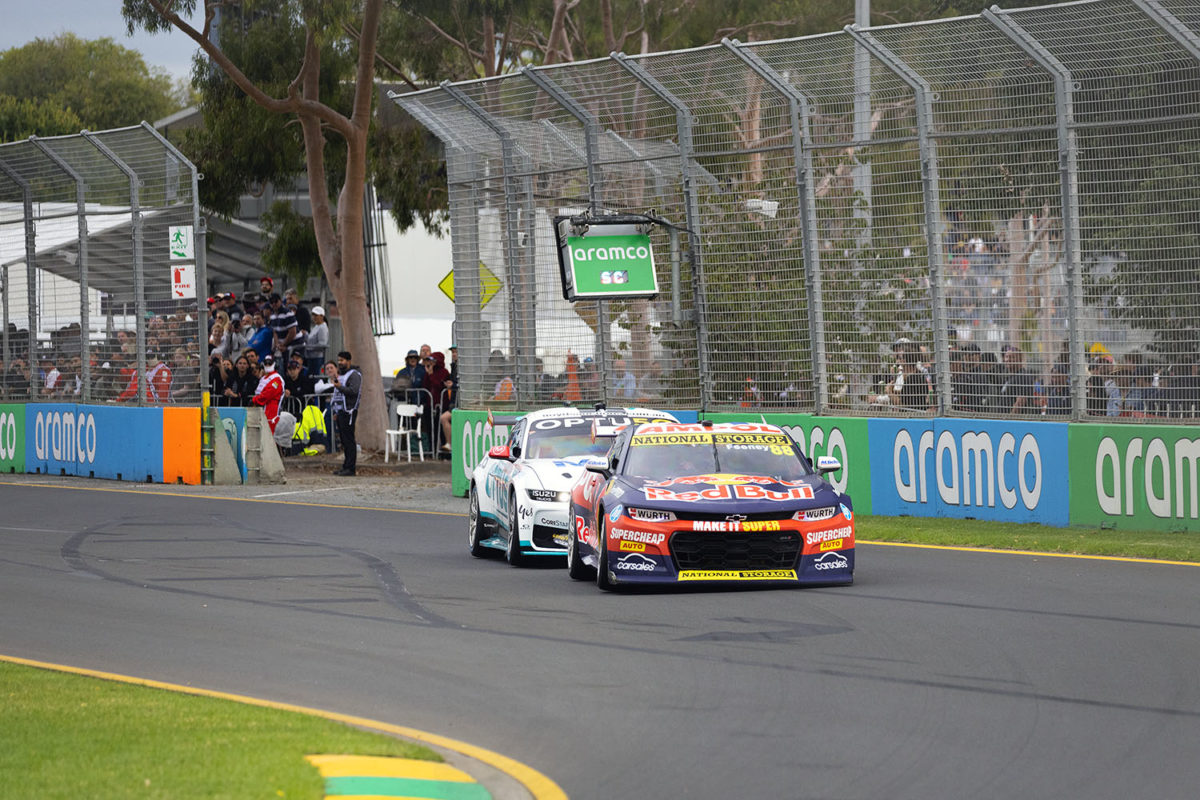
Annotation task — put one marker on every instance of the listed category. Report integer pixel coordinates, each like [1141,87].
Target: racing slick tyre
[602,579]
[578,570]
[513,551]
[475,535]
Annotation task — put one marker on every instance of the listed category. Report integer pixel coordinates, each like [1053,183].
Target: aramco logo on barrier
[985,468]
[63,436]
[1162,476]
[8,436]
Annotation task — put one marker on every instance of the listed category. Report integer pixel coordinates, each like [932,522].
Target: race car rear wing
[600,431]
[502,419]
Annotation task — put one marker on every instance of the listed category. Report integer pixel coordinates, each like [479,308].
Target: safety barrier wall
[153,444]
[1053,473]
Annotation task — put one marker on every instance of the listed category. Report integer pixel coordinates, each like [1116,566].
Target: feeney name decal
[737,575]
[729,493]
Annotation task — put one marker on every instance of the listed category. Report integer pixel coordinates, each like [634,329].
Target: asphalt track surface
[939,674]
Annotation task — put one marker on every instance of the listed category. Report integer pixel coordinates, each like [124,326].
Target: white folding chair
[408,427]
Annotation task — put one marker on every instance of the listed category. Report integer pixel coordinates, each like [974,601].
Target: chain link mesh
[91,303]
[990,215]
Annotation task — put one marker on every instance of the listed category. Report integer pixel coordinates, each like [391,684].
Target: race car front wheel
[475,526]
[575,567]
[602,577]
[513,551]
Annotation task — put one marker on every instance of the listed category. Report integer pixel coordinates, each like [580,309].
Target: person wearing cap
[258,302]
[269,391]
[346,395]
[409,378]
[317,341]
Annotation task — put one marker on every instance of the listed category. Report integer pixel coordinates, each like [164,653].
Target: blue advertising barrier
[1011,471]
[94,441]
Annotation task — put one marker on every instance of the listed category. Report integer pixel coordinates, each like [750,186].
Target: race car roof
[710,427]
[570,412]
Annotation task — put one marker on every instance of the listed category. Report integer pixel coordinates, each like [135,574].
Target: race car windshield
[565,443]
[775,456]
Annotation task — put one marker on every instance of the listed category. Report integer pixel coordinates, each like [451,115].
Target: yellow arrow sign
[489,285]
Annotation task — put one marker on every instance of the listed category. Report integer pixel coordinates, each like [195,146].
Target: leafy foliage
[67,83]
[21,118]
[292,248]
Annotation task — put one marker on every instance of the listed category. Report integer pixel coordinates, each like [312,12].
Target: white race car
[519,493]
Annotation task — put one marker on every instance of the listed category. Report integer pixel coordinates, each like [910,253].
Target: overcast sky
[94,19]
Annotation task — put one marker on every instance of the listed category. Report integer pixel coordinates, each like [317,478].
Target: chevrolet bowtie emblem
[736,518]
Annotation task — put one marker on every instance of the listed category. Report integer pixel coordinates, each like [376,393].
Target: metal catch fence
[101,271]
[988,215]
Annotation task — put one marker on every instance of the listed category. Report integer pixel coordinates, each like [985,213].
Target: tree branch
[289,105]
[380,58]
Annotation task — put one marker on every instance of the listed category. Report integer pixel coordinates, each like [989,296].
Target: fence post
[199,233]
[461,169]
[683,124]
[516,267]
[591,157]
[139,275]
[799,106]
[30,276]
[936,241]
[85,323]
[1171,25]
[1068,168]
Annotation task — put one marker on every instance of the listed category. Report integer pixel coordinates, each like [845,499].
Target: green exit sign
[605,262]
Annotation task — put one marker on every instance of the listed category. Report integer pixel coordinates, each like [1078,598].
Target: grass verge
[69,736]
[1181,546]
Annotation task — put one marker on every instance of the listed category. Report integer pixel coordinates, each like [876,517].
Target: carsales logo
[8,436]
[63,436]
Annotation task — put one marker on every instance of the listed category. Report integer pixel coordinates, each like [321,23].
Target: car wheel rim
[514,538]
[473,519]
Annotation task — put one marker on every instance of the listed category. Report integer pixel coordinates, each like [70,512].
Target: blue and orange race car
[709,503]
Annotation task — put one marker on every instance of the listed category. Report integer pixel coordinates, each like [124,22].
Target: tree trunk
[351,292]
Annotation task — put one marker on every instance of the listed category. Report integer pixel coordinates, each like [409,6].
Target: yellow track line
[540,786]
[998,551]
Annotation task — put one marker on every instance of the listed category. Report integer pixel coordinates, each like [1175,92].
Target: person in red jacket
[158,383]
[270,390]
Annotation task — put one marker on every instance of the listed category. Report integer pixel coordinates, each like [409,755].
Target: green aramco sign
[606,261]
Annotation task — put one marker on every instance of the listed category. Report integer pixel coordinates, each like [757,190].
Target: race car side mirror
[516,451]
[827,464]
[599,469]
[500,452]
